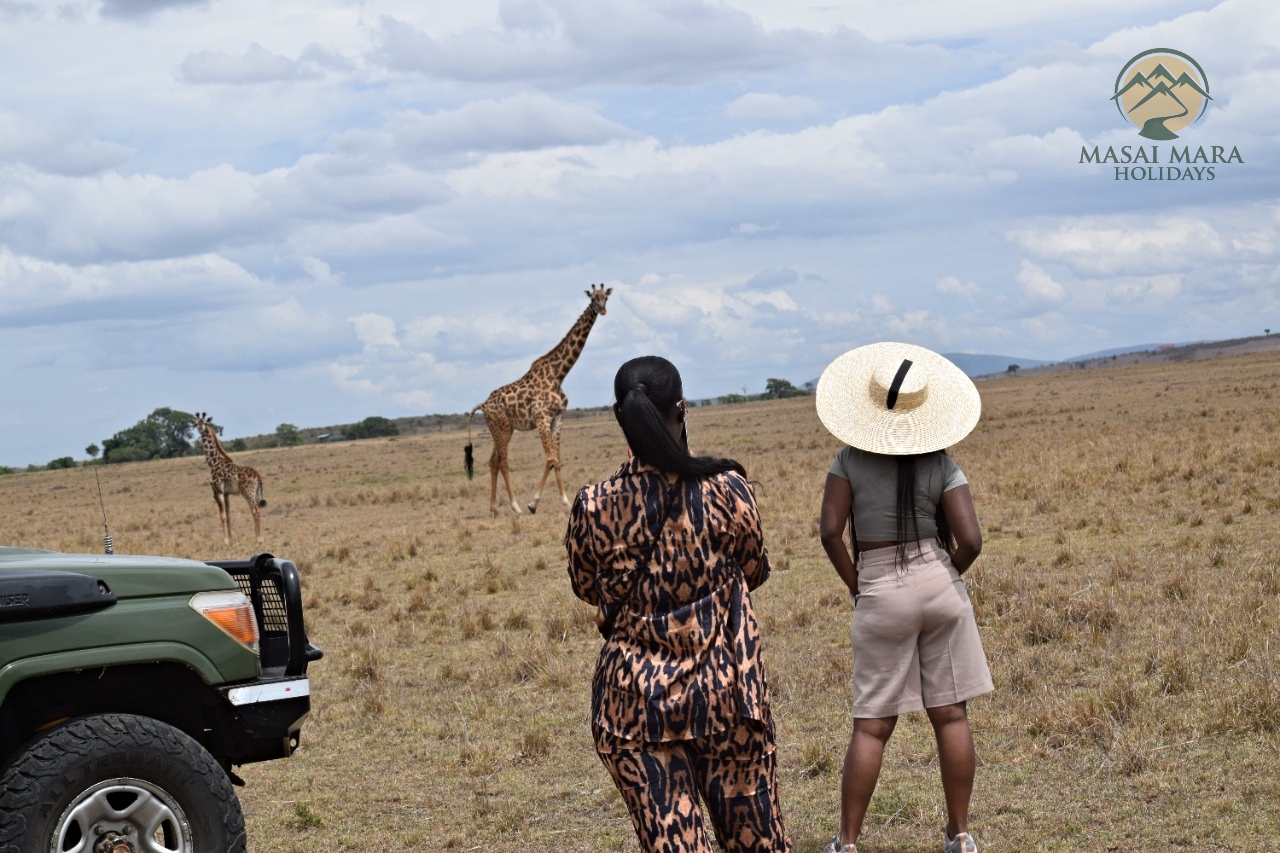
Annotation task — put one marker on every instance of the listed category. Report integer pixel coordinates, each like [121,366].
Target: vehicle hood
[128,575]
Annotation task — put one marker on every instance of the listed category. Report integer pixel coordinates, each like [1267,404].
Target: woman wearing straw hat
[898,407]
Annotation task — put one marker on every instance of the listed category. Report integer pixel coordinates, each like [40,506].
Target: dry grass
[1127,597]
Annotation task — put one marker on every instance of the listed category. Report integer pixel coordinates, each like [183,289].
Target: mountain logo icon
[1161,91]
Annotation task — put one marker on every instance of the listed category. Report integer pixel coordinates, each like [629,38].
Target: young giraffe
[228,477]
[534,401]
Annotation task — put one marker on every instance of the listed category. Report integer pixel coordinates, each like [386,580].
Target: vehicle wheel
[117,783]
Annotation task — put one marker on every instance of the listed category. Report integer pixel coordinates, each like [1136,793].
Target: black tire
[146,781]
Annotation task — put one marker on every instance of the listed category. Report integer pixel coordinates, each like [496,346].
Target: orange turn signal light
[230,611]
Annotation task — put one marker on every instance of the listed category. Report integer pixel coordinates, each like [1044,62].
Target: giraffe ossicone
[535,401]
[227,478]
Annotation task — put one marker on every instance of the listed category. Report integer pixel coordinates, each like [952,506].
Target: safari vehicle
[130,687]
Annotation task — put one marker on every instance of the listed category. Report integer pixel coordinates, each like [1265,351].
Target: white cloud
[257,65]
[1132,245]
[949,284]
[778,299]
[375,331]
[526,121]
[1037,284]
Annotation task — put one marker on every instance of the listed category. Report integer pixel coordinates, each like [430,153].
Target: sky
[315,212]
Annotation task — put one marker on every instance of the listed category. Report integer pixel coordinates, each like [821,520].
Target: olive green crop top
[874,480]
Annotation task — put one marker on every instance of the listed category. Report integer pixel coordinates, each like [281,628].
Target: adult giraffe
[228,477]
[535,401]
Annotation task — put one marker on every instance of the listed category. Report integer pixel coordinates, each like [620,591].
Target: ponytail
[647,390]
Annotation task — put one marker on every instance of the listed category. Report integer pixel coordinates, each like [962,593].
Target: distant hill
[1107,353]
[984,365]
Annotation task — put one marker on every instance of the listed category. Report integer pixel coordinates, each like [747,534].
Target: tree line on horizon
[167,433]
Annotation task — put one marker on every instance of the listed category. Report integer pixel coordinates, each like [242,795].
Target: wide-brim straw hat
[897,399]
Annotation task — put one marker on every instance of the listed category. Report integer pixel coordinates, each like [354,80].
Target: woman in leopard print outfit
[668,549]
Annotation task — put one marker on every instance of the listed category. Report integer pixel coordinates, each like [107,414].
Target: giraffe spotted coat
[683,661]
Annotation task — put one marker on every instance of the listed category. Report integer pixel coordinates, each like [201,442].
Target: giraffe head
[599,295]
[206,430]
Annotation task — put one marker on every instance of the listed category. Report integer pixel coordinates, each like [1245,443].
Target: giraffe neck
[213,452]
[562,357]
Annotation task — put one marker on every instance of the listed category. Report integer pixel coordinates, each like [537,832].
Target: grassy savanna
[1128,596]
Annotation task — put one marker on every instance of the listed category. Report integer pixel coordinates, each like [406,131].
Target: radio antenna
[108,544]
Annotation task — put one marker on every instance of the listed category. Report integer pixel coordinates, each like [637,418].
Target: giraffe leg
[511,493]
[225,508]
[555,446]
[224,520]
[247,490]
[498,463]
[545,432]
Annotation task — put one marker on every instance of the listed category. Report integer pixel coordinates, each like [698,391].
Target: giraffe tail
[257,493]
[468,458]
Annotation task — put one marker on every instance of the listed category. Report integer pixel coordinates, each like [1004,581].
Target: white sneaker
[836,847]
[962,843]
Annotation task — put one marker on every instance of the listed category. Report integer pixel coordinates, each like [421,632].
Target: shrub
[373,427]
[127,454]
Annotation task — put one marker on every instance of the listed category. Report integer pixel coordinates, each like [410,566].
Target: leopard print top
[683,659]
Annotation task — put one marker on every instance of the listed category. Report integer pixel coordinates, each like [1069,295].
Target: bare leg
[862,762]
[958,761]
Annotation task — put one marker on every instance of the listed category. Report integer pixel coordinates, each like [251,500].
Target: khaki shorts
[915,640]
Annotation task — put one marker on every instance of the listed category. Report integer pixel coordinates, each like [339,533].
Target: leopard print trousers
[734,771]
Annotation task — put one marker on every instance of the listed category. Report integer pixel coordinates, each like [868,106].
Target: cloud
[139,9]
[773,278]
[257,65]
[949,284]
[375,331]
[36,291]
[59,148]
[1129,245]
[557,42]
[1038,285]
[527,121]
[750,228]
[769,105]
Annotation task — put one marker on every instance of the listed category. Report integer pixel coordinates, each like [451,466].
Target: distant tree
[1013,368]
[373,427]
[287,435]
[93,450]
[1266,331]
[239,445]
[5,469]
[61,462]
[126,454]
[776,389]
[163,434]
[727,399]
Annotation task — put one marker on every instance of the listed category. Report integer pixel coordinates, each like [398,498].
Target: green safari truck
[130,689]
